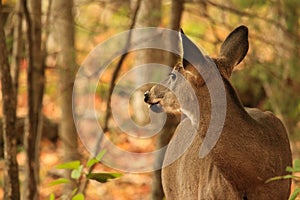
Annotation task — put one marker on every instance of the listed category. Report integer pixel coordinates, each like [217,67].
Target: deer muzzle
[154,104]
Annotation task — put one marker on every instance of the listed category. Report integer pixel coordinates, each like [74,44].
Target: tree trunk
[148,16]
[63,35]
[176,13]
[35,82]
[172,121]
[50,131]
[177,8]
[11,173]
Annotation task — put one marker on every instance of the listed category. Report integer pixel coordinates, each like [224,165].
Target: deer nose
[146,96]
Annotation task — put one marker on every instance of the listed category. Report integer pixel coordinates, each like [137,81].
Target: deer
[253,145]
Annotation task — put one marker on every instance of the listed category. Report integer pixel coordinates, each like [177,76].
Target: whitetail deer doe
[253,145]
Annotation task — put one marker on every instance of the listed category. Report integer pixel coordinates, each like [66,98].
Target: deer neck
[233,108]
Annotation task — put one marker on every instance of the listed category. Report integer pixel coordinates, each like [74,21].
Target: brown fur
[252,148]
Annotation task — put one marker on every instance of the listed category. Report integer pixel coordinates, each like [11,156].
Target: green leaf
[52,196]
[59,181]
[76,173]
[74,191]
[100,155]
[288,176]
[103,177]
[295,194]
[295,168]
[79,196]
[289,169]
[297,163]
[91,162]
[96,159]
[69,165]
[273,179]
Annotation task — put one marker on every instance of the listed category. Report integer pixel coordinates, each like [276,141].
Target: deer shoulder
[250,147]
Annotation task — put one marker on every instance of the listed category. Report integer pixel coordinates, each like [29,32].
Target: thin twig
[117,70]
[17,46]
[47,32]
[244,13]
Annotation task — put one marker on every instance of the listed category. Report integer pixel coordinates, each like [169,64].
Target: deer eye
[173,76]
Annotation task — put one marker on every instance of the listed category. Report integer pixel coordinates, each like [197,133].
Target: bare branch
[17,45]
[251,15]
[118,67]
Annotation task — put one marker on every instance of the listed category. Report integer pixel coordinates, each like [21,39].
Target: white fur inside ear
[191,74]
[180,46]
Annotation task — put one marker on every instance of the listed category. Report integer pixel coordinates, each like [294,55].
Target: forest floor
[127,187]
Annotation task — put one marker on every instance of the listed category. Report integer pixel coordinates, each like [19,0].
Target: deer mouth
[154,104]
[156,107]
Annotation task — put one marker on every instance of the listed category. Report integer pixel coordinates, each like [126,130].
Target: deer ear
[192,55]
[235,46]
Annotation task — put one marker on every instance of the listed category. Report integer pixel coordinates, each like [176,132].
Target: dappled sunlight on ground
[128,187]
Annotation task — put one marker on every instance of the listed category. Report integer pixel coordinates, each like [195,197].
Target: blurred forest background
[43,43]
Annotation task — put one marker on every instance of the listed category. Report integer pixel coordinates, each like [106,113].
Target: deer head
[186,84]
